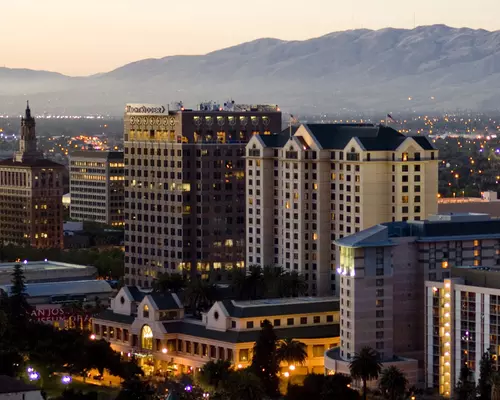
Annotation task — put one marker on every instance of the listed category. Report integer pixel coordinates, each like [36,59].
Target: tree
[485,376]
[199,295]
[265,363]
[214,373]
[338,386]
[135,389]
[495,386]
[393,383]
[365,365]
[20,310]
[170,283]
[291,351]
[243,385]
[465,389]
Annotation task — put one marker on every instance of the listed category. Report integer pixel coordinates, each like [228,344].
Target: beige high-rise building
[96,181]
[185,187]
[327,181]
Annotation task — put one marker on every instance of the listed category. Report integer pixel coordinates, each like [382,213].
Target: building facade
[31,190]
[154,328]
[382,273]
[97,187]
[185,187]
[462,323]
[327,181]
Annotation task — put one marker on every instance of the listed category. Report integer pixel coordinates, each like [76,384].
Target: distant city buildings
[462,322]
[383,271]
[154,328]
[488,203]
[185,187]
[97,186]
[31,190]
[321,182]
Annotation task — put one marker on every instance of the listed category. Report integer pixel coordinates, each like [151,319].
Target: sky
[82,37]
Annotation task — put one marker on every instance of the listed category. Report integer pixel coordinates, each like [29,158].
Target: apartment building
[326,181]
[31,189]
[462,323]
[97,181]
[382,273]
[185,187]
[154,328]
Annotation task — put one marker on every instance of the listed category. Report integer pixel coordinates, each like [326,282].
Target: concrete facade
[97,187]
[327,181]
[185,188]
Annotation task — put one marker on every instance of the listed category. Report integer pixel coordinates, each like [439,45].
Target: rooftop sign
[144,109]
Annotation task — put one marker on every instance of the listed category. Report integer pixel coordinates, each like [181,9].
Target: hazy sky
[80,37]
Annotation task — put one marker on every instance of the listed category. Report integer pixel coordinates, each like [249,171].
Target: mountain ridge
[428,68]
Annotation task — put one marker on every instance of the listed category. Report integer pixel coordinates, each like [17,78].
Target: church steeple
[27,140]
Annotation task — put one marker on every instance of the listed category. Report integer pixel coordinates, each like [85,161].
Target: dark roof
[109,315]
[136,293]
[277,139]
[12,385]
[165,301]
[110,155]
[266,310]
[373,137]
[41,162]
[443,228]
[424,142]
[300,332]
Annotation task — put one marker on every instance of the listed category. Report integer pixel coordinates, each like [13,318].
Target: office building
[382,273]
[97,186]
[327,181]
[185,187]
[154,328]
[462,323]
[31,190]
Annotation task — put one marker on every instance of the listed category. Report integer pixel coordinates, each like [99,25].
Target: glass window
[243,355]
[147,338]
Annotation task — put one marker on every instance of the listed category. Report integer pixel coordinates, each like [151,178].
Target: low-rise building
[14,389]
[488,203]
[382,273]
[47,271]
[155,328]
[462,323]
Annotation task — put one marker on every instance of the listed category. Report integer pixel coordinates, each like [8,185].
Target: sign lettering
[144,109]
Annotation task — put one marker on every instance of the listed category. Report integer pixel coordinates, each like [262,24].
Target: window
[318,350]
[145,311]
[243,356]
[404,157]
[249,324]
[277,322]
[404,199]
[233,324]
[303,320]
[379,303]
[147,338]
[444,264]
[329,318]
[417,168]
[289,321]
[405,168]
[317,319]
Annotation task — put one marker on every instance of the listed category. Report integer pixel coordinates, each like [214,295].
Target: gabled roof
[136,294]
[245,336]
[12,385]
[277,140]
[165,301]
[270,307]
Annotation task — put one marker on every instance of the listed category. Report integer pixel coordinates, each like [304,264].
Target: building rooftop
[108,155]
[28,266]
[336,136]
[437,228]
[287,306]
[12,385]
[41,163]
[64,288]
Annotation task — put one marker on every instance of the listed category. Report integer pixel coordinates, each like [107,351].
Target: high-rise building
[382,273]
[97,186]
[185,187]
[326,181]
[31,190]
[462,323]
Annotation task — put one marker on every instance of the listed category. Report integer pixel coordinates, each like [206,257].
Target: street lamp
[66,379]
[92,337]
[164,350]
[291,367]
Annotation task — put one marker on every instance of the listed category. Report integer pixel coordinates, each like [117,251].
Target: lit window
[315,186]
[145,311]
[444,264]
[476,242]
[229,243]
[405,157]
[147,338]
[315,236]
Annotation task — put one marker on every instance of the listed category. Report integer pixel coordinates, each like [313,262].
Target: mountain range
[427,69]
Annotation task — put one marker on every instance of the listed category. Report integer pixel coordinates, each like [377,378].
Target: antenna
[414,21]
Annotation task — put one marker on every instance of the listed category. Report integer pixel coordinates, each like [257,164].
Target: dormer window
[352,155]
[404,157]
[145,311]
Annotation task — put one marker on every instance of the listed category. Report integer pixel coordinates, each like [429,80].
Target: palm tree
[199,295]
[365,365]
[393,382]
[293,285]
[214,373]
[291,351]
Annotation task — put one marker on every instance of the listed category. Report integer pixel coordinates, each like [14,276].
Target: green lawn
[54,388]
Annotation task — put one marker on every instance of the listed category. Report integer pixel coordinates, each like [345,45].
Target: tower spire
[27,141]
[27,114]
